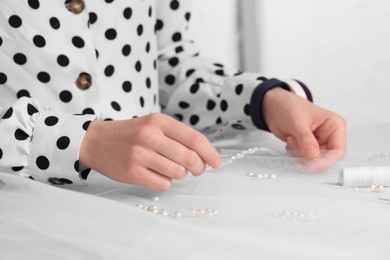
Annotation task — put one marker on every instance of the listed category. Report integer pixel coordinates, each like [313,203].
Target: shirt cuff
[55,147]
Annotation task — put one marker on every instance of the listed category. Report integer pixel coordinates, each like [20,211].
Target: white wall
[340,48]
[214,28]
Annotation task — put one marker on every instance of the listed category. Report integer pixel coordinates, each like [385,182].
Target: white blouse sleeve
[41,144]
[194,89]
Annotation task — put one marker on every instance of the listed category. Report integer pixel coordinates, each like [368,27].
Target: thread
[365,176]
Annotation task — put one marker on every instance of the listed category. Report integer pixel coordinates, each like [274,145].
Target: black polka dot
[115,106]
[20,135]
[17,168]
[63,60]
[97,54]
[176,37]
[23,93]
[54,181]
[194,119]
[92,18]
[1,153]
[170,79]
[140,30]
[126,50]
[9,113]
[43,77]
[150,11]
[246,110]
[179,49]
[200,80]
[51,120]
[42,162]
[127,12]
[238,127]
[78,42]
[15,21]
[173,61]
[159,25]
[138,66]
[39,41]
[184,105]
[220,72]
[141,101]
[261,78]
[174,4]
[190,72]
[63,142]
[84,174]
[147,48]
[187,16]
[34,4]
[20,58]
[109,1]
[88,111]
[218,121]
[1,41]
[148,82]
[3,78]
[224,105]
[109,71]
[178,117]
[66,96]
[31,109]
[110,34]
[194,88]
[211,104]
[86,125]
[54,23]
[76,165]
[66,181]
[127,86]
[239,89]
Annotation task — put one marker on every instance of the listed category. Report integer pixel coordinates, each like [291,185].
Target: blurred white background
[340,49]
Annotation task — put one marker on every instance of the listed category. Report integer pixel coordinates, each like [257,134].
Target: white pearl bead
[177,214]
[156,198]
[153,209]
[164,212]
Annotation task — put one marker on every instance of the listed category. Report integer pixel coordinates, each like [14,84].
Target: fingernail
[311,151]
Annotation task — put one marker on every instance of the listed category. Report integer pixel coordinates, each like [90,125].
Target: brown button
[75,6]
[84,81]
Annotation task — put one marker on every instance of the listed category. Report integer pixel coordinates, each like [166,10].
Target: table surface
[295,215]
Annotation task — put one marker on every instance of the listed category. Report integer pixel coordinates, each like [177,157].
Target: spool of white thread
[365,176]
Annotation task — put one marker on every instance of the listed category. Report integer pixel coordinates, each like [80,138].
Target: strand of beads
[230,159]
[298,216]
[375,156]
[203,212]
[261,175]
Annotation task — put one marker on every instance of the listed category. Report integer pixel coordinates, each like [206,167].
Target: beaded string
[230,159]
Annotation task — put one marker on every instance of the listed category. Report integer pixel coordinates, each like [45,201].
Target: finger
[152,180]
[182,155]
[194,141]
[323,162]
[308,144]
[167,167]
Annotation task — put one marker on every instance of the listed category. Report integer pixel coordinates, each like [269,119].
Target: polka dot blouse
[64,63]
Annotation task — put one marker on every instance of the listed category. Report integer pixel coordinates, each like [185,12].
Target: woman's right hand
[150,151]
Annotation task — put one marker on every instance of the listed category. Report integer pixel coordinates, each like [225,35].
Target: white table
[294,216]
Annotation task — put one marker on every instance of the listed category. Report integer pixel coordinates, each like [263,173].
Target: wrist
[257,99]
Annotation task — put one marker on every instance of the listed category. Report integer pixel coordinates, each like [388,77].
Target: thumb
[307,144]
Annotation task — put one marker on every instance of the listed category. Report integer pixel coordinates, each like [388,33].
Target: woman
[82,83]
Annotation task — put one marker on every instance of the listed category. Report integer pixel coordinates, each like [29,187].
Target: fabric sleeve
[194,89]
[42,144]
